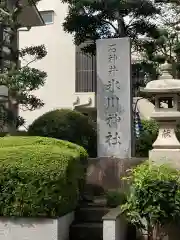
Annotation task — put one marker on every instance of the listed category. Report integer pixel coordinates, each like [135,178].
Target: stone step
[131,232]
[86,231]
[97,202]
[90,214]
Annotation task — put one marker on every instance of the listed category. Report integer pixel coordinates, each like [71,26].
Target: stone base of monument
[166,156]
[107,172]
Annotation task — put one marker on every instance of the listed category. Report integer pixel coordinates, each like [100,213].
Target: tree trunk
[154,233]
[121,25]
[150,232]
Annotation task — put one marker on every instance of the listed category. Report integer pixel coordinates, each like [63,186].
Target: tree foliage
[151,25]
[163,44]
[163,47]
[21,81]
[89,20]
[95,19]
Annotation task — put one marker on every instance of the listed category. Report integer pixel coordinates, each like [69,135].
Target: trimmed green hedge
[39,176]
[69,125]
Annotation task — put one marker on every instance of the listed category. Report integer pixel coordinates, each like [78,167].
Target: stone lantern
[166,148]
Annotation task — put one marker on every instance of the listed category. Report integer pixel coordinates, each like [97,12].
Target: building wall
[59,62]
[86,78]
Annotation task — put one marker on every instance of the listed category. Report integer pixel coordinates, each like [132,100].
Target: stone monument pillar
[166,148]
[114,98]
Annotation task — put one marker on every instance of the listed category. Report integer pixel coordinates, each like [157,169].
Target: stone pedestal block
[166,156]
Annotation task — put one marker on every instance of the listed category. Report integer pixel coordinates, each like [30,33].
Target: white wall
[36,229]
[59,62]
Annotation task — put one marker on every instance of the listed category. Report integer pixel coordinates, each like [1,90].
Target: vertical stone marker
[114,98]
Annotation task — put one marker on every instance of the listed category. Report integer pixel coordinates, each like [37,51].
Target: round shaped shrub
[39,176]
[67,125]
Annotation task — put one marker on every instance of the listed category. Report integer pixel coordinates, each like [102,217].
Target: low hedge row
[39,177]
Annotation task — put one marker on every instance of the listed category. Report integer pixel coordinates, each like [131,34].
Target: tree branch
[105,21]
[4,12]
[31,62]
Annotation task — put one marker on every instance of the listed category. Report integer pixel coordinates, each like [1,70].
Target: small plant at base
[154,200]
[115,198]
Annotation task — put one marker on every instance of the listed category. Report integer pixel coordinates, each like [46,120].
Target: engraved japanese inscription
[166,133]
[112,118]
[114,103]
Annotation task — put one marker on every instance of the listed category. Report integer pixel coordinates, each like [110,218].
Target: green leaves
[154,196]
[115,198]
[64,124]
[28,79]
[39,177]
[38,52]
[143,8]
[92,19]
[165,39]
[21,81]
[147,138]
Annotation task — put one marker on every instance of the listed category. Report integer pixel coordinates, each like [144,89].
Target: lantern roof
[165,84]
